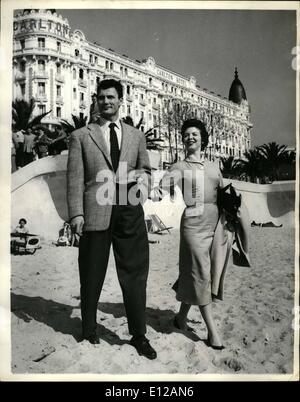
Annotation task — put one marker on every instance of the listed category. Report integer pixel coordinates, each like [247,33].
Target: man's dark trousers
[127,234]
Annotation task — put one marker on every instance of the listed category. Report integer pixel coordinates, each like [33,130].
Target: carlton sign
[41,25]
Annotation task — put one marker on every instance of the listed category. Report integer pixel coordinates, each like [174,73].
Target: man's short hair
[201,127]
[105,84]
[23,220]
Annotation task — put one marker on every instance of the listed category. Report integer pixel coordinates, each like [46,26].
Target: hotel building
[60,69]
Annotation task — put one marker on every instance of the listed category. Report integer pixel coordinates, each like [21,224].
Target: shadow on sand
[59,317]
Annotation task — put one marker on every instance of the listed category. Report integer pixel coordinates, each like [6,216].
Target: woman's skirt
[194,284]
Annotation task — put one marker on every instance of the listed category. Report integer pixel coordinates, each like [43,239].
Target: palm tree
[274,157]
[230,167]
[287,170]
[252,164]
[78,122]
[22,115]
[151,143]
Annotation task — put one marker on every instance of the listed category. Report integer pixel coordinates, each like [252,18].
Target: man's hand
[77,224]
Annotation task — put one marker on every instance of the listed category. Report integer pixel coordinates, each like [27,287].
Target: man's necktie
[114,147]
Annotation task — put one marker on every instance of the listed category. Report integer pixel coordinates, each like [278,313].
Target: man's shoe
[93,339]
[143,347]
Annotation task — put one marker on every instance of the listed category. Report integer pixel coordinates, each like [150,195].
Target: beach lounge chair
[26,242]
[157,225]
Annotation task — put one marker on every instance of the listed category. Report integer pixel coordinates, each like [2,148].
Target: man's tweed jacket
[89,155]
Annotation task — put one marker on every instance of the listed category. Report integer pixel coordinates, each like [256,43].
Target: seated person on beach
[266,225]
[65,235]
[21,228]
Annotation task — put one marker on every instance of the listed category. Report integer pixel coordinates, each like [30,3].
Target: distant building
[60,69]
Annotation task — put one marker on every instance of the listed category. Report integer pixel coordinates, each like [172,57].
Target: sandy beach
[255,318]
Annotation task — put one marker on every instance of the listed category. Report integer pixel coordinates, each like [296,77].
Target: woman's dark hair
[105,84]
[22,220]
[201,127]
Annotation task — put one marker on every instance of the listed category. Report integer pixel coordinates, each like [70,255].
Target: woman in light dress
[204,241]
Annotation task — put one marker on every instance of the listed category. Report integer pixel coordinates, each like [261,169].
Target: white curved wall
[39,195]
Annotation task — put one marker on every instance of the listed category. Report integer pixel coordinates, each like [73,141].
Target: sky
[209,44]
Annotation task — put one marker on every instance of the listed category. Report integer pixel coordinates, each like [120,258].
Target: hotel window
[81,115]
[142,96]
[96,60]
[121,70]
[58,46]
[41,65]
[22,87]
[106,65]
[91,58]
[22,66]
[41,88]
[76,52]
[74,93]
[136,112]
[74,73]
[111,66]
[154,101]
[142,115]
[58,90]
[128,89]
[42,109]
[128,110]
[150,116]
[41,43]
[81,96]
[155,119]
[58,68]
[22,43]
[125,71]
[155,133]
[150,81]
[58,111]
[81,74]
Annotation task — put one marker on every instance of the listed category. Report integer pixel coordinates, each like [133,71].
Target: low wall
[38,193]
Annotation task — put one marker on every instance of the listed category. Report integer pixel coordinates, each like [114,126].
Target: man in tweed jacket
[102,156]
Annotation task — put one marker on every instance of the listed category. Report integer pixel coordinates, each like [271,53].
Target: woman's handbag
[229,202]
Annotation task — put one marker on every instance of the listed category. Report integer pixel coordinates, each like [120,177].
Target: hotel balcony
[142,102]
[60,78]
[82,83]
[82,104]
[155,106]
[40,75]
[59,100]
[129,98]
[41,97]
